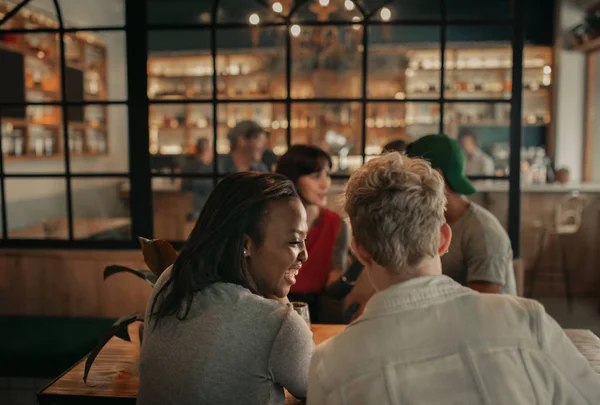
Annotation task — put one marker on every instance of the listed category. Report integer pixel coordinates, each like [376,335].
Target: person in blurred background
[398,145]
[269,158]
[327,242]
[219,326]
[247,141]
[480,256]
[477,162]
[201,162]
[423,338]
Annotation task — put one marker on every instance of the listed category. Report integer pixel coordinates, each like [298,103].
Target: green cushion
[44,347]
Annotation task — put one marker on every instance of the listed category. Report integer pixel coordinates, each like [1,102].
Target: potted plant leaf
[158,256]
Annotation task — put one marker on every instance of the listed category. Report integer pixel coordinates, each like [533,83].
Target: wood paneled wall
[69,283]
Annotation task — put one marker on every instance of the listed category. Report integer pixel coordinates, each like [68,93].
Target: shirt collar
[415,293]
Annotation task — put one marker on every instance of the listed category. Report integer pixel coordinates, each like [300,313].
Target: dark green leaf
[143,274]
[118,329]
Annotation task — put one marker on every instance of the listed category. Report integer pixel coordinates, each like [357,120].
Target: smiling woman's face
[314,187]
[275,263]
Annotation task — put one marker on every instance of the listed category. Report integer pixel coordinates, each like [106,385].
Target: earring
[246,253]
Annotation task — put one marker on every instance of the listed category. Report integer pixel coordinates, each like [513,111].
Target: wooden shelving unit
[471,73]
[36,132]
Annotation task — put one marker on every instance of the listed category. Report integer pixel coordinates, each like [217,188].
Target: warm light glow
[254,19]
[356,27]
[400,96]
[385,14]
[295,30]
[349,4]
[547,69]
[324,3]
[277,7]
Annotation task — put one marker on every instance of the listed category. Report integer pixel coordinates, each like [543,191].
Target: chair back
[568,213]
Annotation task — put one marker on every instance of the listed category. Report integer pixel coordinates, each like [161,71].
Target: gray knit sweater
[234,347]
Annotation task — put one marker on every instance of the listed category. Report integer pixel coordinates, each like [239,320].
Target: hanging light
[349,4]
[324,3]
[356,27]
[295,30]
[277,7]
[254,19]
[547,69]
[385,14]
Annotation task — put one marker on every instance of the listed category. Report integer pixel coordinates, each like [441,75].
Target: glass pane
[36,208]
[174,132]
[537,85]
[100,209]
[179,65]
[403,9]
[177,203]
[179,11]
[389,122]
[327,62]
[33,144]
[483,129]
[96,66]
[327,10]
[92,13]
[253,12]
[99,143]
[334,127]
[475,9]
[269,116]
[473,71]
[251,63]
[36,14]
[29,68]
[404,62]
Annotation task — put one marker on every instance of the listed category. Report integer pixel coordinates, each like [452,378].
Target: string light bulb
[385,14]
[295,30]
[324,3]
[547,69]
[277,7]
[349,4]
[254,19]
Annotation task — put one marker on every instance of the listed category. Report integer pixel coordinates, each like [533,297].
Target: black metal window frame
[140,175]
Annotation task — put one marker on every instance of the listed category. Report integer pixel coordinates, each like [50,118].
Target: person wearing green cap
[480,255]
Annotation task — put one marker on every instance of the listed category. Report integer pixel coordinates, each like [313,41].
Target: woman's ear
[360,253]
[445,239]
[247,246]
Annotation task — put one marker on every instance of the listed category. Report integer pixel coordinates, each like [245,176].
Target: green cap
[444,153]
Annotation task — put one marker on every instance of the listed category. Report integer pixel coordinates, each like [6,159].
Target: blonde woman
[423,338]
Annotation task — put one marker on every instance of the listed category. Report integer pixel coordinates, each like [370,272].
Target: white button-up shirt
[431,341]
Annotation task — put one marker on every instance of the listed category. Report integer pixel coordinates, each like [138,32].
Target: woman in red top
[327,241]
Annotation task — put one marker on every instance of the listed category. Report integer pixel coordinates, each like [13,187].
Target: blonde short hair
[396,206]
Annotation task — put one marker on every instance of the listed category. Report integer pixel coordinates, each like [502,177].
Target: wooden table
[83,228]
[109,381]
